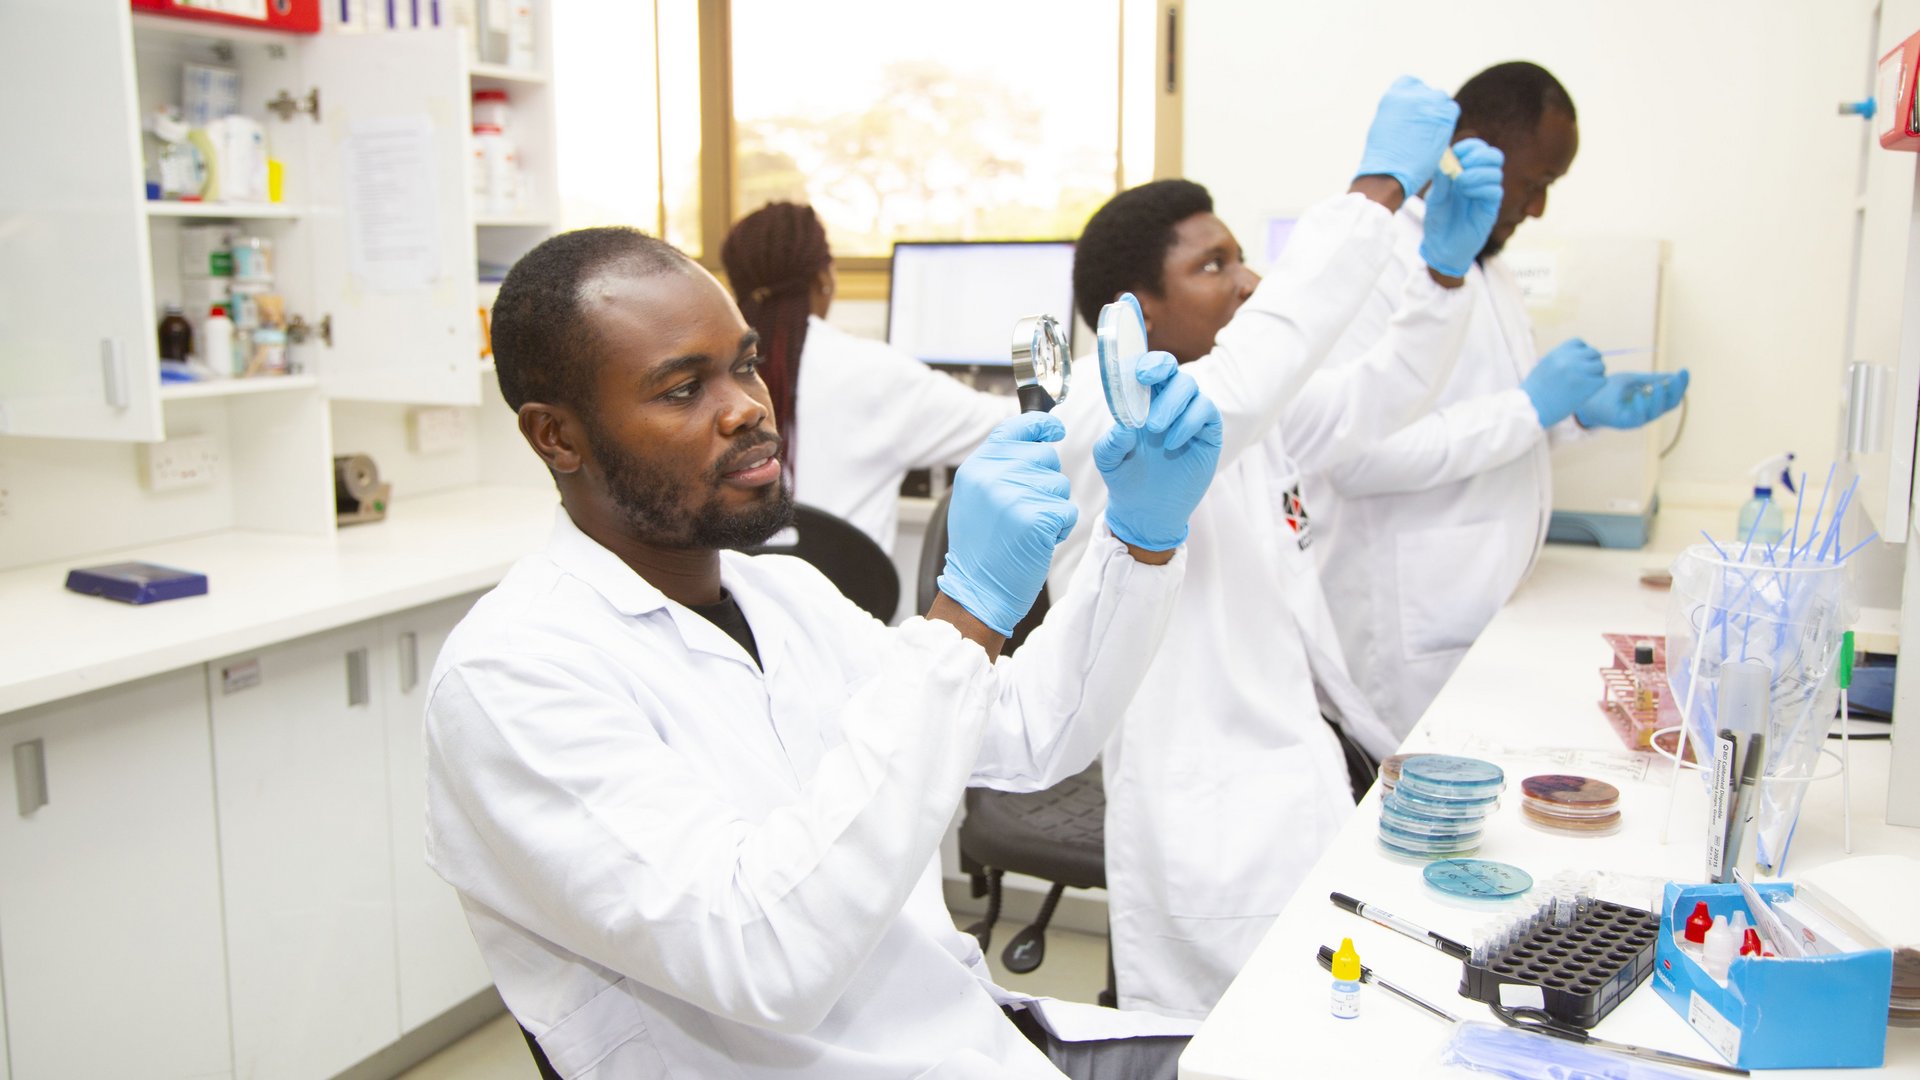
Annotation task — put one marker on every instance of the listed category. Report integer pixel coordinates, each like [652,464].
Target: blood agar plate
[1122,341]
[1478,879]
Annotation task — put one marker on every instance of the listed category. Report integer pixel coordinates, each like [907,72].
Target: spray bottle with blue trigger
[1761,516]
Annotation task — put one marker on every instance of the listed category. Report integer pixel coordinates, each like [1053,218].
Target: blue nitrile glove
[1461,210]
[1009,511]
[1410,129]
[1631,398]
[1156,475]
[1564,379]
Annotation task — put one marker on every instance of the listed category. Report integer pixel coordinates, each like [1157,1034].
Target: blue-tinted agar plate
[1478,879]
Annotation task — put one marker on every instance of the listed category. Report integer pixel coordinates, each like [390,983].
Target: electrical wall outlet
[183,461]
[438,430]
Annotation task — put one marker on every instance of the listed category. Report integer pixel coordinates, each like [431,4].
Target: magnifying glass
[1122,340]
[1042,363]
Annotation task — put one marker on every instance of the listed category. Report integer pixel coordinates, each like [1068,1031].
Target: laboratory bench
[1525,698]
[263,588]
[218,802]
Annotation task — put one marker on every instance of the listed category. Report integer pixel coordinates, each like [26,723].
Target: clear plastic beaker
[1789,616]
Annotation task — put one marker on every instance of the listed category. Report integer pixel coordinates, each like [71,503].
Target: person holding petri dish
[858,413]
[692,800]
[1428,533]
[1224,782]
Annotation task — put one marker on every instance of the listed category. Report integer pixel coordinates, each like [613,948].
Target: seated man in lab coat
[692,799]
[1224,782]
[1424,536]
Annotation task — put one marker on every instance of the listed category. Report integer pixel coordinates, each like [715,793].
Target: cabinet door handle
[113,371]
[409,661]
[358,691]
[30,775]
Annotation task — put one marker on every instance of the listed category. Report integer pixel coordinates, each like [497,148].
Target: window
[999,119]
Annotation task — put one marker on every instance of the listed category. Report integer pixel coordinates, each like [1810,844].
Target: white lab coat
[1224,784]
[676,865]
[866,414]
[1428,533]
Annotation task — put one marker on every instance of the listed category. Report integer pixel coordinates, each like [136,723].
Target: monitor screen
[957,303]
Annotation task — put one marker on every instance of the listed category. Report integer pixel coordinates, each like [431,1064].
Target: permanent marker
[1400,926]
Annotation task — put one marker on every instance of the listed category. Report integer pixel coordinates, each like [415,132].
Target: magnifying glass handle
[1035,399]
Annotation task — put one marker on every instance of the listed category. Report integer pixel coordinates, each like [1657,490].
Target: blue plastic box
[1809,1013]
[136,582]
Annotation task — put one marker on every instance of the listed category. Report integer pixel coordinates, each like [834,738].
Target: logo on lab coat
[1295,509]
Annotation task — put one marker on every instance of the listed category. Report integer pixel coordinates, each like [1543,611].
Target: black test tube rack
[1583,970]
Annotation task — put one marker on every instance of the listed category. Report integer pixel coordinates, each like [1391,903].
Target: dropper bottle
[1346,981]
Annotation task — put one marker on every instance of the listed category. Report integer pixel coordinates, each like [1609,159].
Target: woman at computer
[856,413]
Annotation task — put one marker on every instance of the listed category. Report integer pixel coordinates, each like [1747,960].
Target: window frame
[864,277]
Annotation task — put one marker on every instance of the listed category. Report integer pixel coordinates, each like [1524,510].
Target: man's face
[680,427]
[1205,279]
[1533,163]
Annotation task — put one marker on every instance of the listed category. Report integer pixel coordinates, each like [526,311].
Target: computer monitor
[955,303]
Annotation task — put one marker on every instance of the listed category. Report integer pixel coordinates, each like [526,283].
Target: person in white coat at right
[1224,783]
[1425,535]
[859,413]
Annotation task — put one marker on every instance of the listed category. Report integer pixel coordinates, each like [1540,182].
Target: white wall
[1709,124]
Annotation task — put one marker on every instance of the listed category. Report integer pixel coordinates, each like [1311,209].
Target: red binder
[290,16]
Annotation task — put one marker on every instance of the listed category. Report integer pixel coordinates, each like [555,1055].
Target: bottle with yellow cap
[1346,981]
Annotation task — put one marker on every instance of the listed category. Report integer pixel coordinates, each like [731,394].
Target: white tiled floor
[1075,969]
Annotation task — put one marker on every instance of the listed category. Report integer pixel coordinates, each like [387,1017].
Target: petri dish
[1477,879]
[1571,793]
[1421,840]
[1605,824]
[1429,824]
[1390,770]
[1404,798]
[1122,341]
[1445,776]
[1425,853]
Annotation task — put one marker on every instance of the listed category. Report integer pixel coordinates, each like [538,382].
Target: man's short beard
[655,505]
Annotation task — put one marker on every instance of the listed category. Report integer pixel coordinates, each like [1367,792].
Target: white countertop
[1525,698]
[262,588]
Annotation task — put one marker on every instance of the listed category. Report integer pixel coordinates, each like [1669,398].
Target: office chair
[849,558]
[1058,835]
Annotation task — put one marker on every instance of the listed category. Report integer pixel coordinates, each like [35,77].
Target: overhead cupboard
[377,237]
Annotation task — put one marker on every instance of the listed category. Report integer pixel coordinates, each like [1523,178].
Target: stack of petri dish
[1580,805]
[1439,806]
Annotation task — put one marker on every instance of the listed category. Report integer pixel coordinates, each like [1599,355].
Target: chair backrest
[857,566]
[933,559]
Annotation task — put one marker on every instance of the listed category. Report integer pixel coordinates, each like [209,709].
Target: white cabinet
[405,327]
[385,283]
[78,357]
[440,965]
[299,750]
[110,937]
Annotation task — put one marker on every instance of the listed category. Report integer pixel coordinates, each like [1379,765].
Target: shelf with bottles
[218,388]
[485,73]
[206,211]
